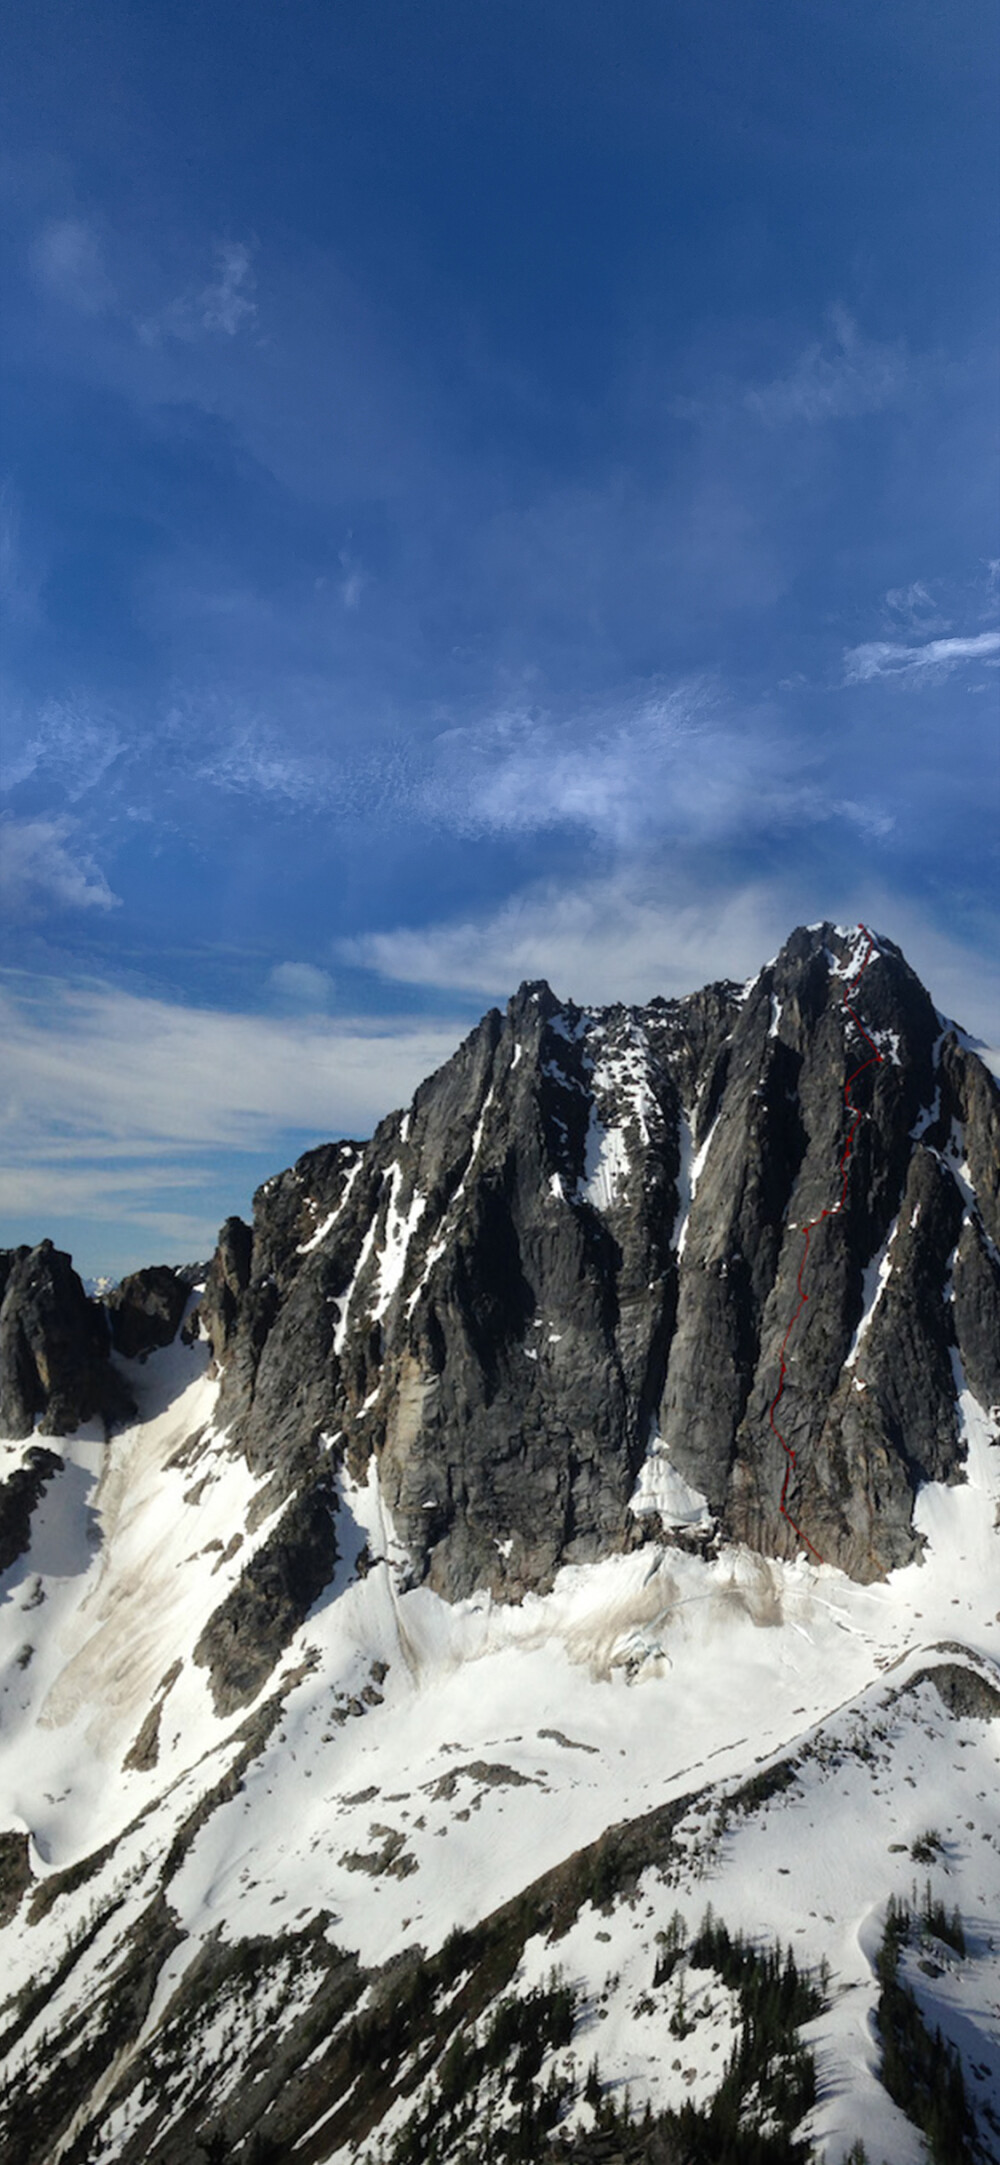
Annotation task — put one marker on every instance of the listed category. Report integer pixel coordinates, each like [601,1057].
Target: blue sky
[488,490]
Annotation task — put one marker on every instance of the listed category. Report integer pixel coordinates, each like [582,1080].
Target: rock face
[55,1365]
[573,1264]
[146,1309]
[19,1495]
[560,1298]
[245,1636]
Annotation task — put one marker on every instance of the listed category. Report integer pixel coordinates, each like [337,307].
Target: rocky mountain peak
[550,1298]
[557,1301]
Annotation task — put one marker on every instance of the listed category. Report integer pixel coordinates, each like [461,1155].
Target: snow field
[411,1798]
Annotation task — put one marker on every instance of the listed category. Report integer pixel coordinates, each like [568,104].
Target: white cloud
[301,987]
[111,1072]
[60,1191]
[630,937]
[671,764]
[835,379]
[883,657]
[522,772]
[148,1122]
[39,872]
[603,940]
[917,609]
[68,261]
[675,766]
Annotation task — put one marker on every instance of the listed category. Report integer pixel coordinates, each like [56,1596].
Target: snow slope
[429,1760]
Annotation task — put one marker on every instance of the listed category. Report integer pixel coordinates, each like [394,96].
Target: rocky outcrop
[273,1595]
[19,1494]
[55,1364]
[146,1309]
[586,1235]
[15,1873]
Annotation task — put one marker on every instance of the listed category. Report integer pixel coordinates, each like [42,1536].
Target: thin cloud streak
[884,658]
[600,941]
[114,1105]
[681,766]
[631,938]
[97,1064]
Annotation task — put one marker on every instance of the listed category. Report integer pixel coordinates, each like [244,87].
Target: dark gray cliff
[577,1258]
[586,1233]
[57,1366]
[55,1347]
[145,1310]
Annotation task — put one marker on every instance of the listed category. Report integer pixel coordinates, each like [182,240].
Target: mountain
[496,1553]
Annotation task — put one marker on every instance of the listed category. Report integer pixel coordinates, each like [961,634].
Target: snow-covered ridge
[498,1739]
[409,1762]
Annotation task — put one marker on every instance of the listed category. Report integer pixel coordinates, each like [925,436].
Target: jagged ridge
[513,1289]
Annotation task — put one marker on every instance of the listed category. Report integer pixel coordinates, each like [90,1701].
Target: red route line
[832,1211]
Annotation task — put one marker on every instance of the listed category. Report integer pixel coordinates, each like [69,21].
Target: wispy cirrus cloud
[915,608]
[520,772]
[640,932]
[301,988]
[118,1106]
[69,742]
[885,657]
[679,765]
[834,379]
[227,303]
[41,871]
[624,937]
[68,261]
[252,758]
[119,1072]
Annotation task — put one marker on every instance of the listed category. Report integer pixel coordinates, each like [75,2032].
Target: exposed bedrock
[55,1348]
[20,1495]
[273,1595]
[593,1227]
[589,1226]
[146,1309]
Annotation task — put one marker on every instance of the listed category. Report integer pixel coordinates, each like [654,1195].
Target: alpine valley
[503,1663]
